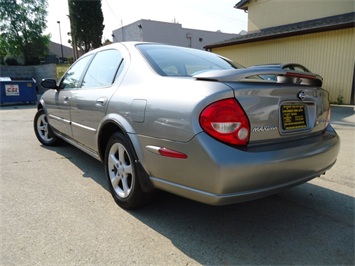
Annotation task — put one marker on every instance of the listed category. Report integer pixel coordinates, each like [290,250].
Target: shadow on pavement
[306,225]
[91,167]
[281,229]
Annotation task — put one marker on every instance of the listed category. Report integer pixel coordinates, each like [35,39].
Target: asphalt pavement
[55,209]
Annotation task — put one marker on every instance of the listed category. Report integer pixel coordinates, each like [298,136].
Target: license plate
[293,117]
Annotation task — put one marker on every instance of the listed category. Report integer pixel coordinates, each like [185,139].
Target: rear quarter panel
[166,107]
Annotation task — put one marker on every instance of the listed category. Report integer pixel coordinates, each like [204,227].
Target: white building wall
[169,33]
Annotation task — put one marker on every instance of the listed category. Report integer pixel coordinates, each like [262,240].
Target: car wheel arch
[106,131]
[108,128]
[41,105]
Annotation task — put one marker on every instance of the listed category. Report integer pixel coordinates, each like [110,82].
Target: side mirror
[49,84]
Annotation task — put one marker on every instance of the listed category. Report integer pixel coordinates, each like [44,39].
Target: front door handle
[66,99]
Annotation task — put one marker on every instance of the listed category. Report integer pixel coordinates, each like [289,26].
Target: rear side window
[178,61]
[102,70]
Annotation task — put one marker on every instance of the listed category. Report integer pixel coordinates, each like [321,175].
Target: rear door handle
[101,101]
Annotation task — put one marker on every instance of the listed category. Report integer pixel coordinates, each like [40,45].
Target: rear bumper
[224,199]
[218,174]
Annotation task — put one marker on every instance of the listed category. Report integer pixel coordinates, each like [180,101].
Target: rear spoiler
[252,74]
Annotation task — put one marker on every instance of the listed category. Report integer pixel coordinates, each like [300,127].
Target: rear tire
[121,173]
[43,130]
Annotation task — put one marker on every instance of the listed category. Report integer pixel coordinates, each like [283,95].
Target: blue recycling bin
[17,90]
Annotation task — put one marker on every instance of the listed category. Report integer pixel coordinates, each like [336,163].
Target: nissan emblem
[301,95]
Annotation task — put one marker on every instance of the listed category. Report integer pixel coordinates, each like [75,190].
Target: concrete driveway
[56,210]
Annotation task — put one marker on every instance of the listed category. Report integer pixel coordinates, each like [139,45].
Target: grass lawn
[61,68]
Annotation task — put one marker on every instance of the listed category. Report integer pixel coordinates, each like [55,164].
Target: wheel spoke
[127,186]
[42,128]
[46,135]
[114,180]
[127,168]
[43,119]
[113,159]
[121,153]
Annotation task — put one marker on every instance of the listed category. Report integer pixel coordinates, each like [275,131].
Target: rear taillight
[226,121]
[327,119]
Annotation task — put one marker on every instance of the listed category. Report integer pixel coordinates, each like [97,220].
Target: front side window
[72,77]
[103,69]
[178,61]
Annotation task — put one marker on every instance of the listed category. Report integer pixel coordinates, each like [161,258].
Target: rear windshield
[178,61]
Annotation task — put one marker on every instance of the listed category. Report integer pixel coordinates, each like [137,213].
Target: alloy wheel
[121,172]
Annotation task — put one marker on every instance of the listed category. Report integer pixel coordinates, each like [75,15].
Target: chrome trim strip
[84,127]
[59,119]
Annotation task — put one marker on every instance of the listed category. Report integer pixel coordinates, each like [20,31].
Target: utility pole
[61,44]
[72,32]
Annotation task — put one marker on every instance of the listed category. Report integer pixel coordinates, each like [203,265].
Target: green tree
[107,42]
[22,25]
[86,20]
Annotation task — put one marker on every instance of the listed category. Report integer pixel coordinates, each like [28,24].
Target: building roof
[243,4]
[342,21]
[55,49]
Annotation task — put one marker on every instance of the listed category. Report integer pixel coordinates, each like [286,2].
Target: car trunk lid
[292,106]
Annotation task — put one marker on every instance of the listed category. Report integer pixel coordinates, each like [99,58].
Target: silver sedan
[189,122]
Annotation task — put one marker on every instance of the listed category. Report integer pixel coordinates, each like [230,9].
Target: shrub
[10,61]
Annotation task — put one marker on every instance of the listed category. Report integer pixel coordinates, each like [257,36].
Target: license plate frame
[293,117]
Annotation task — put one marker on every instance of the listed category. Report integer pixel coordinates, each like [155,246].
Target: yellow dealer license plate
[293,117]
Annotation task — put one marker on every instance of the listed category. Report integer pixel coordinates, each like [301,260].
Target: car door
[89,102]
[58,101]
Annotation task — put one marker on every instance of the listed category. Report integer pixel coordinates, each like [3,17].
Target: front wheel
[121,173]
[42,129]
